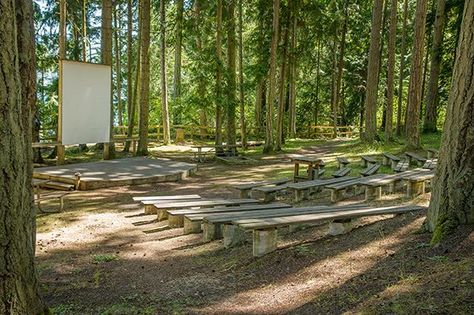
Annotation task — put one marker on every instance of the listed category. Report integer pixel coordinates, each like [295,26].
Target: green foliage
[103,258]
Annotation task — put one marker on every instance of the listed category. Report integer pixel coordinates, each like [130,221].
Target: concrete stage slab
[120,172]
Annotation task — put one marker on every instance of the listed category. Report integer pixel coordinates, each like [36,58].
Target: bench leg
[297,195]
[373,193]
[336,195]
[429,155]
[162,214]
[394,165]
[415,188]
[338,227]
[192,227]
[269,197]
[363,163]
[245,193]
[175,221]
[211,231]
[264,241]
[233,235]
[386,161]
[150,209]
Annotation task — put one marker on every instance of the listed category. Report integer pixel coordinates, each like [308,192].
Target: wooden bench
[302,189]
[247,187]
[338,188]
[148,201]
[191,219]
[123,139]
[51,196]
[313,164]
[390,159]
[416,184]
[269,192]
[220,225]
[370,170]
[402,166]
[342,162]
[265,229]
[430,164]
[162,207]
[432,153]
[413,156]
[365,160]
[341,172]
[373,187]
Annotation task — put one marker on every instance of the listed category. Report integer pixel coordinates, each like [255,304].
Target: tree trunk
[431,115]
[282,90]
[340,68]
[130,103]
[416,77]
[370,133]
[452,200]
[402,68]
[392,41]
[19,291]
[118,65]
[243,128]
[201,78]
[269,141]
[292,71]
[164,93]
[106,49]
[145,77]
[84,30]
[231,75]
[318,75]
[177,62]
[219,74]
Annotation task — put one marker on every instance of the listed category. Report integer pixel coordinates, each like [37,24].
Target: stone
[264,241]
[233,235]
[175,221]
[191,227]
[373,193]
[339,227]
[211,231]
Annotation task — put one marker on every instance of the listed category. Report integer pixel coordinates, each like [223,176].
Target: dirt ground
[103,256]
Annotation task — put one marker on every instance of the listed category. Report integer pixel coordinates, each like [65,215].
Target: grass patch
[103,258]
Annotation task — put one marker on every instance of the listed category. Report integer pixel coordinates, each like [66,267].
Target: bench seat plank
[204,203]
[266,223]
[318,183]
[159,198]
[246,186]
[204,211]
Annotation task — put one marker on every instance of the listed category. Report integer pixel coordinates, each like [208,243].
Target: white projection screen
[85,108]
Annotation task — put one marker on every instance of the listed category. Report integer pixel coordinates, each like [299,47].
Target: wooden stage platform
[120,172]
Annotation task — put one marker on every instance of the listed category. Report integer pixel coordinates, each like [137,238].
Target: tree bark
[84,30]
[201,78]
[243,127]
[282,90]
[177,61]
[269,141]
[402,67]
[340,68]
[432,99]
[416,77]
[318,75]
[106,49]
[292,70]
[164,93]
[145,77]
[372,73]
[118,65]
[218,140]
[19,292]
[392,41]
[452,199]
[231,75]
[130,103]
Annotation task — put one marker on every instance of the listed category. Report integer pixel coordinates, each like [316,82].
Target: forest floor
[103,256]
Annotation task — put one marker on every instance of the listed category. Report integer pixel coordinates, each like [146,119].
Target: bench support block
[336,195]
[264,241]
[233,235]
[373,193]
[245,193]
[175,221]
[392,187]
[162,214]
[150,209]
[192,227]
[394,164]
[211,231]
[415,188]
[338,227]
[269,197]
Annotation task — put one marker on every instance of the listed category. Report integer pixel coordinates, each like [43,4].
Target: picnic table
[227,149]
[313,167]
